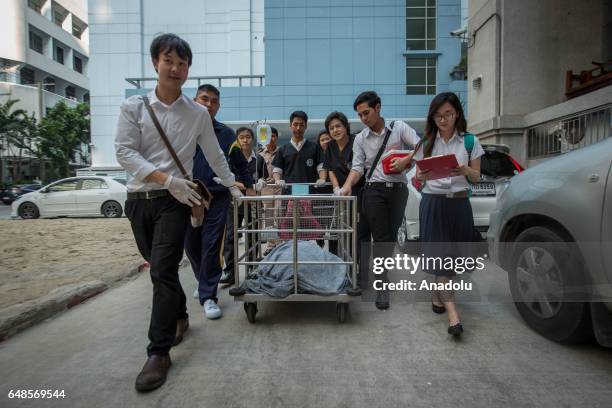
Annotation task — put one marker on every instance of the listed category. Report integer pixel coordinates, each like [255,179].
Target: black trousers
[159,227]
[228,245]
[383,208]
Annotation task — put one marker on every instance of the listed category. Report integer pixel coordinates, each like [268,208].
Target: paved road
[298,355]
[5,211]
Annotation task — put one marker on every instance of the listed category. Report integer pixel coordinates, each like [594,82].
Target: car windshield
[496,164]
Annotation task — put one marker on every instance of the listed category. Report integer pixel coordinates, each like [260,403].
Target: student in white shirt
[159,197]
[445,213]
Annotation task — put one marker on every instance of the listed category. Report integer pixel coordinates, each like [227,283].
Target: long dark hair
[431,128]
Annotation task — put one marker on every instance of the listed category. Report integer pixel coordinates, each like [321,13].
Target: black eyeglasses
[447,116]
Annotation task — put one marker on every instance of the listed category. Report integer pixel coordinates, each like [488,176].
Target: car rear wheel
[546,281]
[112,209]
[28,211]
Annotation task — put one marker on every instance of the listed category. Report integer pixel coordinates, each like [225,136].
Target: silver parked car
[552,232]
[74,196]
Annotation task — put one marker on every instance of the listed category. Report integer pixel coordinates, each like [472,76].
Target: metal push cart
[296,217]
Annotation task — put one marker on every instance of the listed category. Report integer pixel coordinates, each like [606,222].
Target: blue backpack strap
[468,143]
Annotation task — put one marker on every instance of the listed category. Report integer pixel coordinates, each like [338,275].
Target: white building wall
[226,38]
[15,22]
[14,30]
[522,49]
[539,42]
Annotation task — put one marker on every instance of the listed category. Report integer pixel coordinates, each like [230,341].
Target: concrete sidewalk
[298,355]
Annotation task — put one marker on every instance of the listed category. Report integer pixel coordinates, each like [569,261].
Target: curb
[16,318]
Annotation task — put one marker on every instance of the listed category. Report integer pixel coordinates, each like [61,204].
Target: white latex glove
[320,183]
[280,183]
[183,190]
[337,190]
[261,183]
[344,191]
[235,192]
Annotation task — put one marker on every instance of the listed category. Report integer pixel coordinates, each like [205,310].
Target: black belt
[147,195]
[385,184]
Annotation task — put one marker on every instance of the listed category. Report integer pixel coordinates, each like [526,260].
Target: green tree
[26,138]
[10,120]
[11,124]
[61,134]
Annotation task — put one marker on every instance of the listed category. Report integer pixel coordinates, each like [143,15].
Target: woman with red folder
[445,213]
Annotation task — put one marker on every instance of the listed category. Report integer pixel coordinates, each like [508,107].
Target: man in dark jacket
[203,244]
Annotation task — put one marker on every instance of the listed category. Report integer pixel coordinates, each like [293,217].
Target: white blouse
[454,146]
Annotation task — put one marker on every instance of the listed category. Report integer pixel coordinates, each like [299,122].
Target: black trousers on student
[159,226]
[228,244]
[383,205]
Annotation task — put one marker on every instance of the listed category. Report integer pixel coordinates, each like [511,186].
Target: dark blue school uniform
[203,244]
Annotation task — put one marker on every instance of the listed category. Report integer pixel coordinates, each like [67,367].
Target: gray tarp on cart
[277,280]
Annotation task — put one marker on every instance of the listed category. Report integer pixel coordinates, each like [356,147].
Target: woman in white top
[445,213]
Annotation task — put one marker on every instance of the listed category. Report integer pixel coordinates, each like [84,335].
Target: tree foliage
[61,135]
[56,140]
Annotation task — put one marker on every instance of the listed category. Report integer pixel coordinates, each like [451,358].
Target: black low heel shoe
[438,309]
[455,330]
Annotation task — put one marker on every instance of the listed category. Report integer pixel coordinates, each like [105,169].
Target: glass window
[36,5]
[497,164]
[27,76]
[36,42]
[59,55]
[420,24]
[78,27]
[70,92]
[78,64]
[63,186]
[421,76]
[91,184]
[77,31]
[49,84]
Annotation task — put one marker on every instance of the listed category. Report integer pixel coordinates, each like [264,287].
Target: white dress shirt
[454,146]
[367,144]
[140,149]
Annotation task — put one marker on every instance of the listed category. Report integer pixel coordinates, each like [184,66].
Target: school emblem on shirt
[309,162]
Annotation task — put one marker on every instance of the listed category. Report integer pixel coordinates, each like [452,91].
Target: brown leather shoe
[153,374]
[181,327]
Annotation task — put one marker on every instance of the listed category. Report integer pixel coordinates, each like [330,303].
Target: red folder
[440,166]
[389,156]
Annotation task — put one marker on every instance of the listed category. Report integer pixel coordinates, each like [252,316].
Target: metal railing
[230,80]
[569,133]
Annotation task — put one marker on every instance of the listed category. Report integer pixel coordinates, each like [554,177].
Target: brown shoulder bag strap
[165,138]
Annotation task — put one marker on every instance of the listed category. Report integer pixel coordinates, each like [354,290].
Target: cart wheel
[342,308]
[251,311]
[354,292]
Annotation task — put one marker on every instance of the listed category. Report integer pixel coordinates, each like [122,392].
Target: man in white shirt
[159,197]
[384,195]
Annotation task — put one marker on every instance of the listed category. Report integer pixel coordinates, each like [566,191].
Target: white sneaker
[196,295]
[211,309]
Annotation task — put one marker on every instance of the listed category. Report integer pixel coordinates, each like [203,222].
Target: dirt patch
[38,256]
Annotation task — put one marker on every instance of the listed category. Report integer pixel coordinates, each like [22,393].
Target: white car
[74,196]
[496,166]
